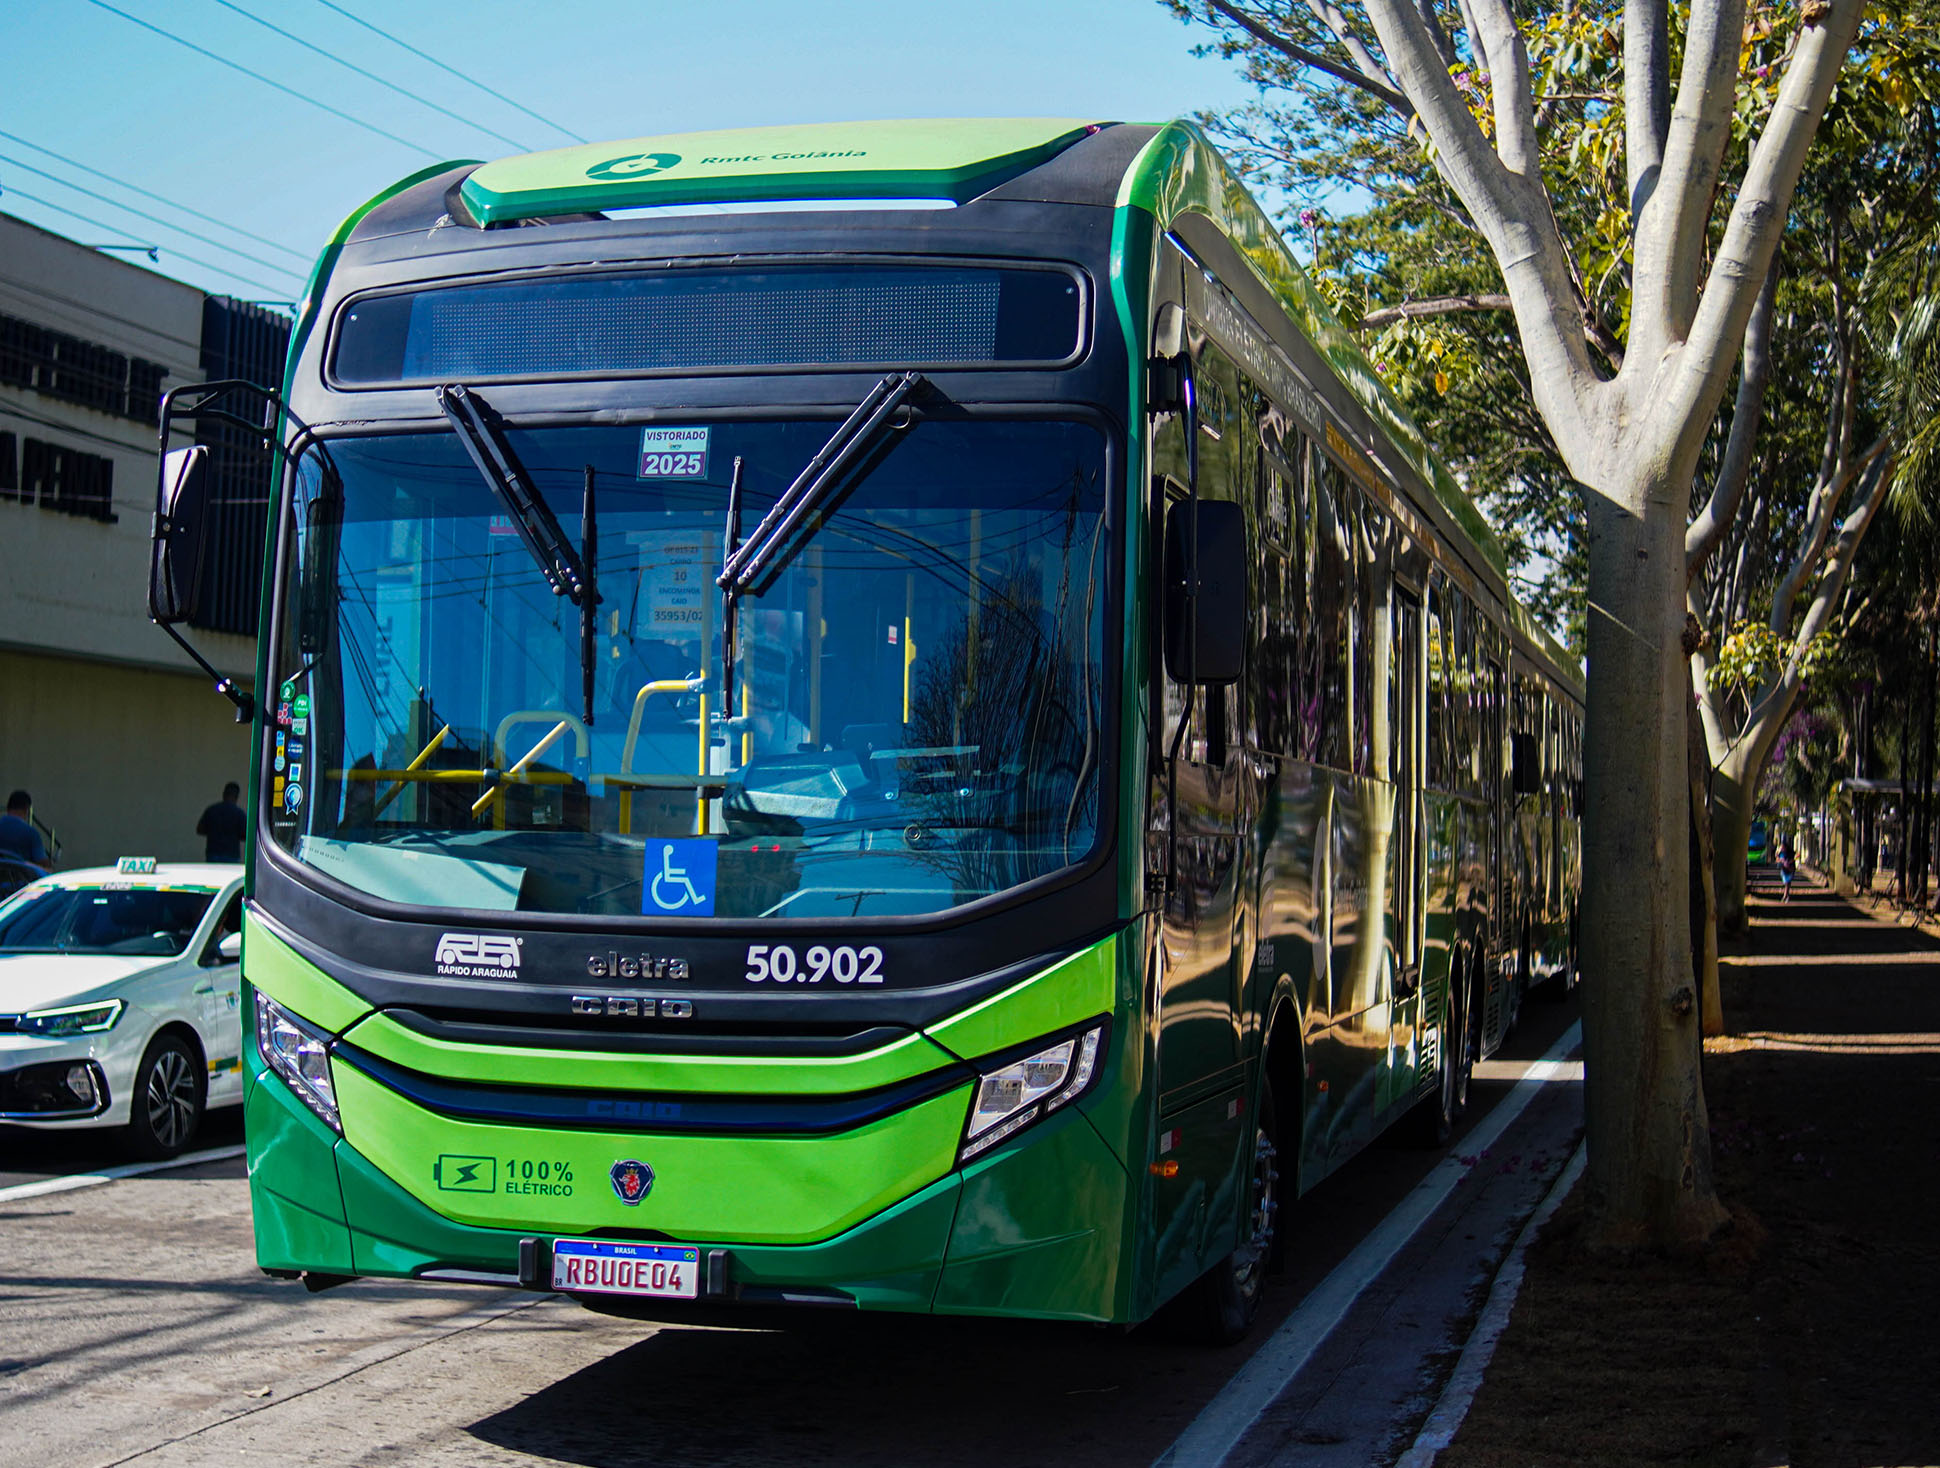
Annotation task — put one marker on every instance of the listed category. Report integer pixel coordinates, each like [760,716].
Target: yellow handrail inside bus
[495,796]
[424,754]
[647,690]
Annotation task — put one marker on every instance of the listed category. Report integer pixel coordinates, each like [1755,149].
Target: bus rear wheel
[1434,1116]
[1466,1029]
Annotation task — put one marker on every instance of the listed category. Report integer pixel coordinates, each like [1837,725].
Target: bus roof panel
[939,158]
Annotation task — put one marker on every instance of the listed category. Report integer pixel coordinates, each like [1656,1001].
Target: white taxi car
[120,1000]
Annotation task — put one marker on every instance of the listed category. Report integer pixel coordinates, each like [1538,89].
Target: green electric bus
[883,715]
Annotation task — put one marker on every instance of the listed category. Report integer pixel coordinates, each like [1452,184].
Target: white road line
[1224,1421]
[114,1174]
[1446,1420]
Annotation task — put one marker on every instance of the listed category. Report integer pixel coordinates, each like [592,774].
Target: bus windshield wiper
[468,413]
[755,563]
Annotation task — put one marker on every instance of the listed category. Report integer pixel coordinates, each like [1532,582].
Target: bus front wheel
[1219,1307]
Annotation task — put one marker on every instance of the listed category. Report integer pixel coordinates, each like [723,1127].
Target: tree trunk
[1704,902]
[1648,1137]
[1731,802]
[1923,839]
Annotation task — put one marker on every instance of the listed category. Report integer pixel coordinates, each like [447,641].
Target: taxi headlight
[74,1019]
[1012,1096]
[300,1054]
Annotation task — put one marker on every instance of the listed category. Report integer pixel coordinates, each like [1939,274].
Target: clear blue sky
[103,92]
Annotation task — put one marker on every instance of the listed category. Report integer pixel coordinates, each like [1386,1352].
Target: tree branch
[1826,499]
[1512,213]
[1775,705]
[1704,533]
[1669,230]
[1437,30]
[1381,86]
[1758,215]
[1509,90]
[1647,95]
[1338,26]
[1433,306]
[1737,600]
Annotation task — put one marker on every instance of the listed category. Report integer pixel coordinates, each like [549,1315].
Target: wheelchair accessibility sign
[679,880]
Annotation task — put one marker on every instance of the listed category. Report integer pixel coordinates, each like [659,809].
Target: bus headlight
[299,1053]
[1014,1095]
[75,1019]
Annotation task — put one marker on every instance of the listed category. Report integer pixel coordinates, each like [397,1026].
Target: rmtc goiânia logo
[476,955]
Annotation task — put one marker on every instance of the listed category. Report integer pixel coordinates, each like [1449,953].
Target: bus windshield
[915,716]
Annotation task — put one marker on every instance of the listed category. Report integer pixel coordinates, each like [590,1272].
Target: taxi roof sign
[937,158]
[136,866]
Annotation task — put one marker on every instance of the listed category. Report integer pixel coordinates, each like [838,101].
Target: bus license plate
[601,1267]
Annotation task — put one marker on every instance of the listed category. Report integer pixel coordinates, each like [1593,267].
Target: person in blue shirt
[18,838]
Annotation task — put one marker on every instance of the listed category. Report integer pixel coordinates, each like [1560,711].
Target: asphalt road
[135,1327]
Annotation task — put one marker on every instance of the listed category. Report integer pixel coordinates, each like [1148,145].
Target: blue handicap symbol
[679,878]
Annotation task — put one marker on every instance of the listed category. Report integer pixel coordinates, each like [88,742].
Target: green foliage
[1753,656]
[1383,229]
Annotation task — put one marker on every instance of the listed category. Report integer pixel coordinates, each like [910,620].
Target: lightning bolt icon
[466,1173]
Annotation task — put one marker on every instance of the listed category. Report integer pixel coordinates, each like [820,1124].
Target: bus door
[1199,1027]
[1201,800]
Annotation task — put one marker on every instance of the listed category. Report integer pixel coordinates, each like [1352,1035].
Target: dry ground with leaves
[1810,1335]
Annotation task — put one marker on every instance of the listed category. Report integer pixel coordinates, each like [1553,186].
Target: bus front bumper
[1035,1228]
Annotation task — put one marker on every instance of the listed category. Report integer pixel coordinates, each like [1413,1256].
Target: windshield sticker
[674,583]
[679,878]
[673,453]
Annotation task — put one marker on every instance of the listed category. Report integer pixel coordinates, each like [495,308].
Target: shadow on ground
[1807,1335]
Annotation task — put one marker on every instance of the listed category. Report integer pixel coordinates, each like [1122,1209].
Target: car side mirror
[229,950]
[1525,764]
[180,535]
[1205,592]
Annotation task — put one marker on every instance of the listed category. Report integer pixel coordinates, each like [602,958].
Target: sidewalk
[1811,1335]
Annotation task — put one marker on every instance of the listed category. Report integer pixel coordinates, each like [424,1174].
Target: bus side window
[1374,678]
[1273,689]
[1307,680]
[1333,623]
[1462,675]
[1437,690]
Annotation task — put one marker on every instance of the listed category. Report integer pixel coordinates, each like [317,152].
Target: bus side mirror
[180,535]
[1205,592]
[1526,766]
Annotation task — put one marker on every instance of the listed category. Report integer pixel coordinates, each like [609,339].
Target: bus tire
[1432,1122]
[1566,977]
[165,1106]
[1219,1307]
[1467,992]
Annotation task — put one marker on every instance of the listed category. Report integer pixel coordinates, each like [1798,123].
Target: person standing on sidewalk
[18,838]
[1787,869]
[222,826]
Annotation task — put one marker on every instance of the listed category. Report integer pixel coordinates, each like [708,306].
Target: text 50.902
[844,965]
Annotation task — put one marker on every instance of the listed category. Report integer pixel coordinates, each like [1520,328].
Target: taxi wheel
[167,1100]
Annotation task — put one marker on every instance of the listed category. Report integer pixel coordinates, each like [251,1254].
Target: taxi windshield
[148,922]
[908,715]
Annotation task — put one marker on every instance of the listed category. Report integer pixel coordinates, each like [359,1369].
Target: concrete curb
[1211,1436]
[1449,1413]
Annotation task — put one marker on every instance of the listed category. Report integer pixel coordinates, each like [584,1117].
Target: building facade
[117,735]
